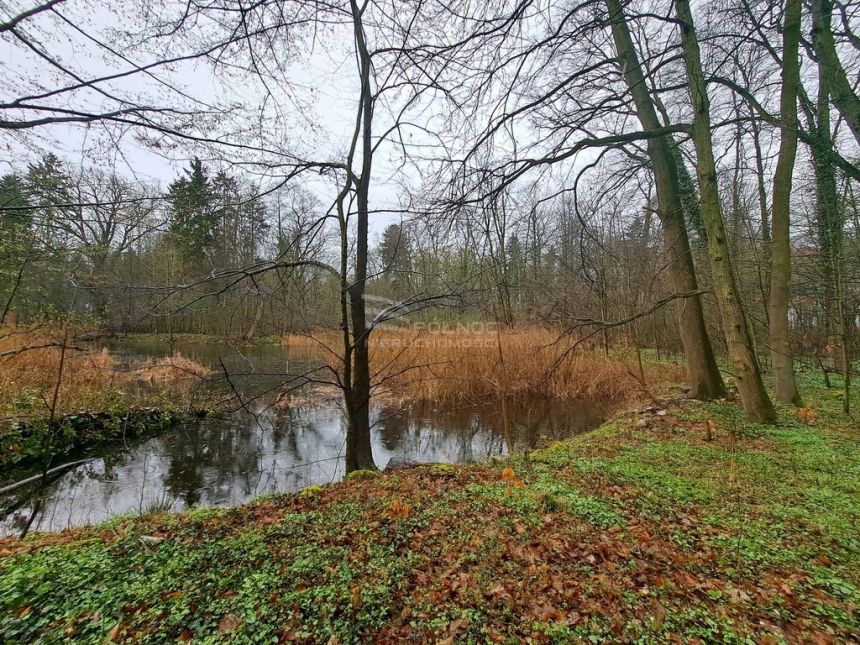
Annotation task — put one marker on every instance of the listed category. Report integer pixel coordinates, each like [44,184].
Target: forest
[428,321]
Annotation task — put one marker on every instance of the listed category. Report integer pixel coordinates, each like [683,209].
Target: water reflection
[229,459]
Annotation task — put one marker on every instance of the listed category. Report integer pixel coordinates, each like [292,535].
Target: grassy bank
[640,531]
[59,393]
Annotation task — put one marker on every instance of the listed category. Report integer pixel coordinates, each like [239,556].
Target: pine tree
[395,254]
[194,213]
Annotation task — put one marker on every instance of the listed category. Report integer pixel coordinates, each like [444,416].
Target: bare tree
[756,402]
[705,379]
[780,273]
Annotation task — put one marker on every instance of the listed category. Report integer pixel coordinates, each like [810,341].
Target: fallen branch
[30,480]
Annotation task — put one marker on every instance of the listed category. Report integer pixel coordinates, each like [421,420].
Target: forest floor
[643,530]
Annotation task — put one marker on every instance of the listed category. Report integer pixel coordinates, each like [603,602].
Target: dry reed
[167,370]
[479,364]
[30,366]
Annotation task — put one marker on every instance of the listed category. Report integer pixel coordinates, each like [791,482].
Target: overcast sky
[311,102]
[306,106]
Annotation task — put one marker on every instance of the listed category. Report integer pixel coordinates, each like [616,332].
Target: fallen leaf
[457,627]
[229,623]
[112,634]
[823,560]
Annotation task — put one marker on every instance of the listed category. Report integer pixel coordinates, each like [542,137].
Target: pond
[231,457]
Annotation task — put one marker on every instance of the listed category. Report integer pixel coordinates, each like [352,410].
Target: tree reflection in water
[230,458]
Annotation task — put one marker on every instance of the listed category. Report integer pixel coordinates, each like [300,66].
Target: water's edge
[229,458]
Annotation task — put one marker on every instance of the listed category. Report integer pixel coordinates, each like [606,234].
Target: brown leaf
[659,613]
[500,592]
[229,623]
[399,510]
[112,634]
[547,612]
[457,627]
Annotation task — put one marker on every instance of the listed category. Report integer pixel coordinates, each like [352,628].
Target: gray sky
[307,104]
[311,103]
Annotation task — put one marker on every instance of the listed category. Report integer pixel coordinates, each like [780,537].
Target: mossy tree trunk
[744,363]
[830,222]
[841,90]
[785,387]
[705,379]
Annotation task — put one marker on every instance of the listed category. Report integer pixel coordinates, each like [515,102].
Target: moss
[311,492]
[362,474]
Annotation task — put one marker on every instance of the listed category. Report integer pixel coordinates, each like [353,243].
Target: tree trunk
[841,91]
[830,224]
[258,316]
[785,387]
[359,454]
[756,402]
[705,379]
[763,265]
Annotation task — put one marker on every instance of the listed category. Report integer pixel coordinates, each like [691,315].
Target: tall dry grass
[478,364]
[90,379]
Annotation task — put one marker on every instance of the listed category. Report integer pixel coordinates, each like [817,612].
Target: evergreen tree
[195,216]
[16,239]
[395,254]
[47,186]
[253,225]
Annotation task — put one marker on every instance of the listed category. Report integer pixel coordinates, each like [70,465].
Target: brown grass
[30,359]
[168,370]
[315,343]
[463,364]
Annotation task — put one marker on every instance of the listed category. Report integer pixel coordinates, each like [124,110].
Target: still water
[231,457]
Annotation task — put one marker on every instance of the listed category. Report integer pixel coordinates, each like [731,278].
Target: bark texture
[705,379]
[744,363]
[785,387]
[841,91]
